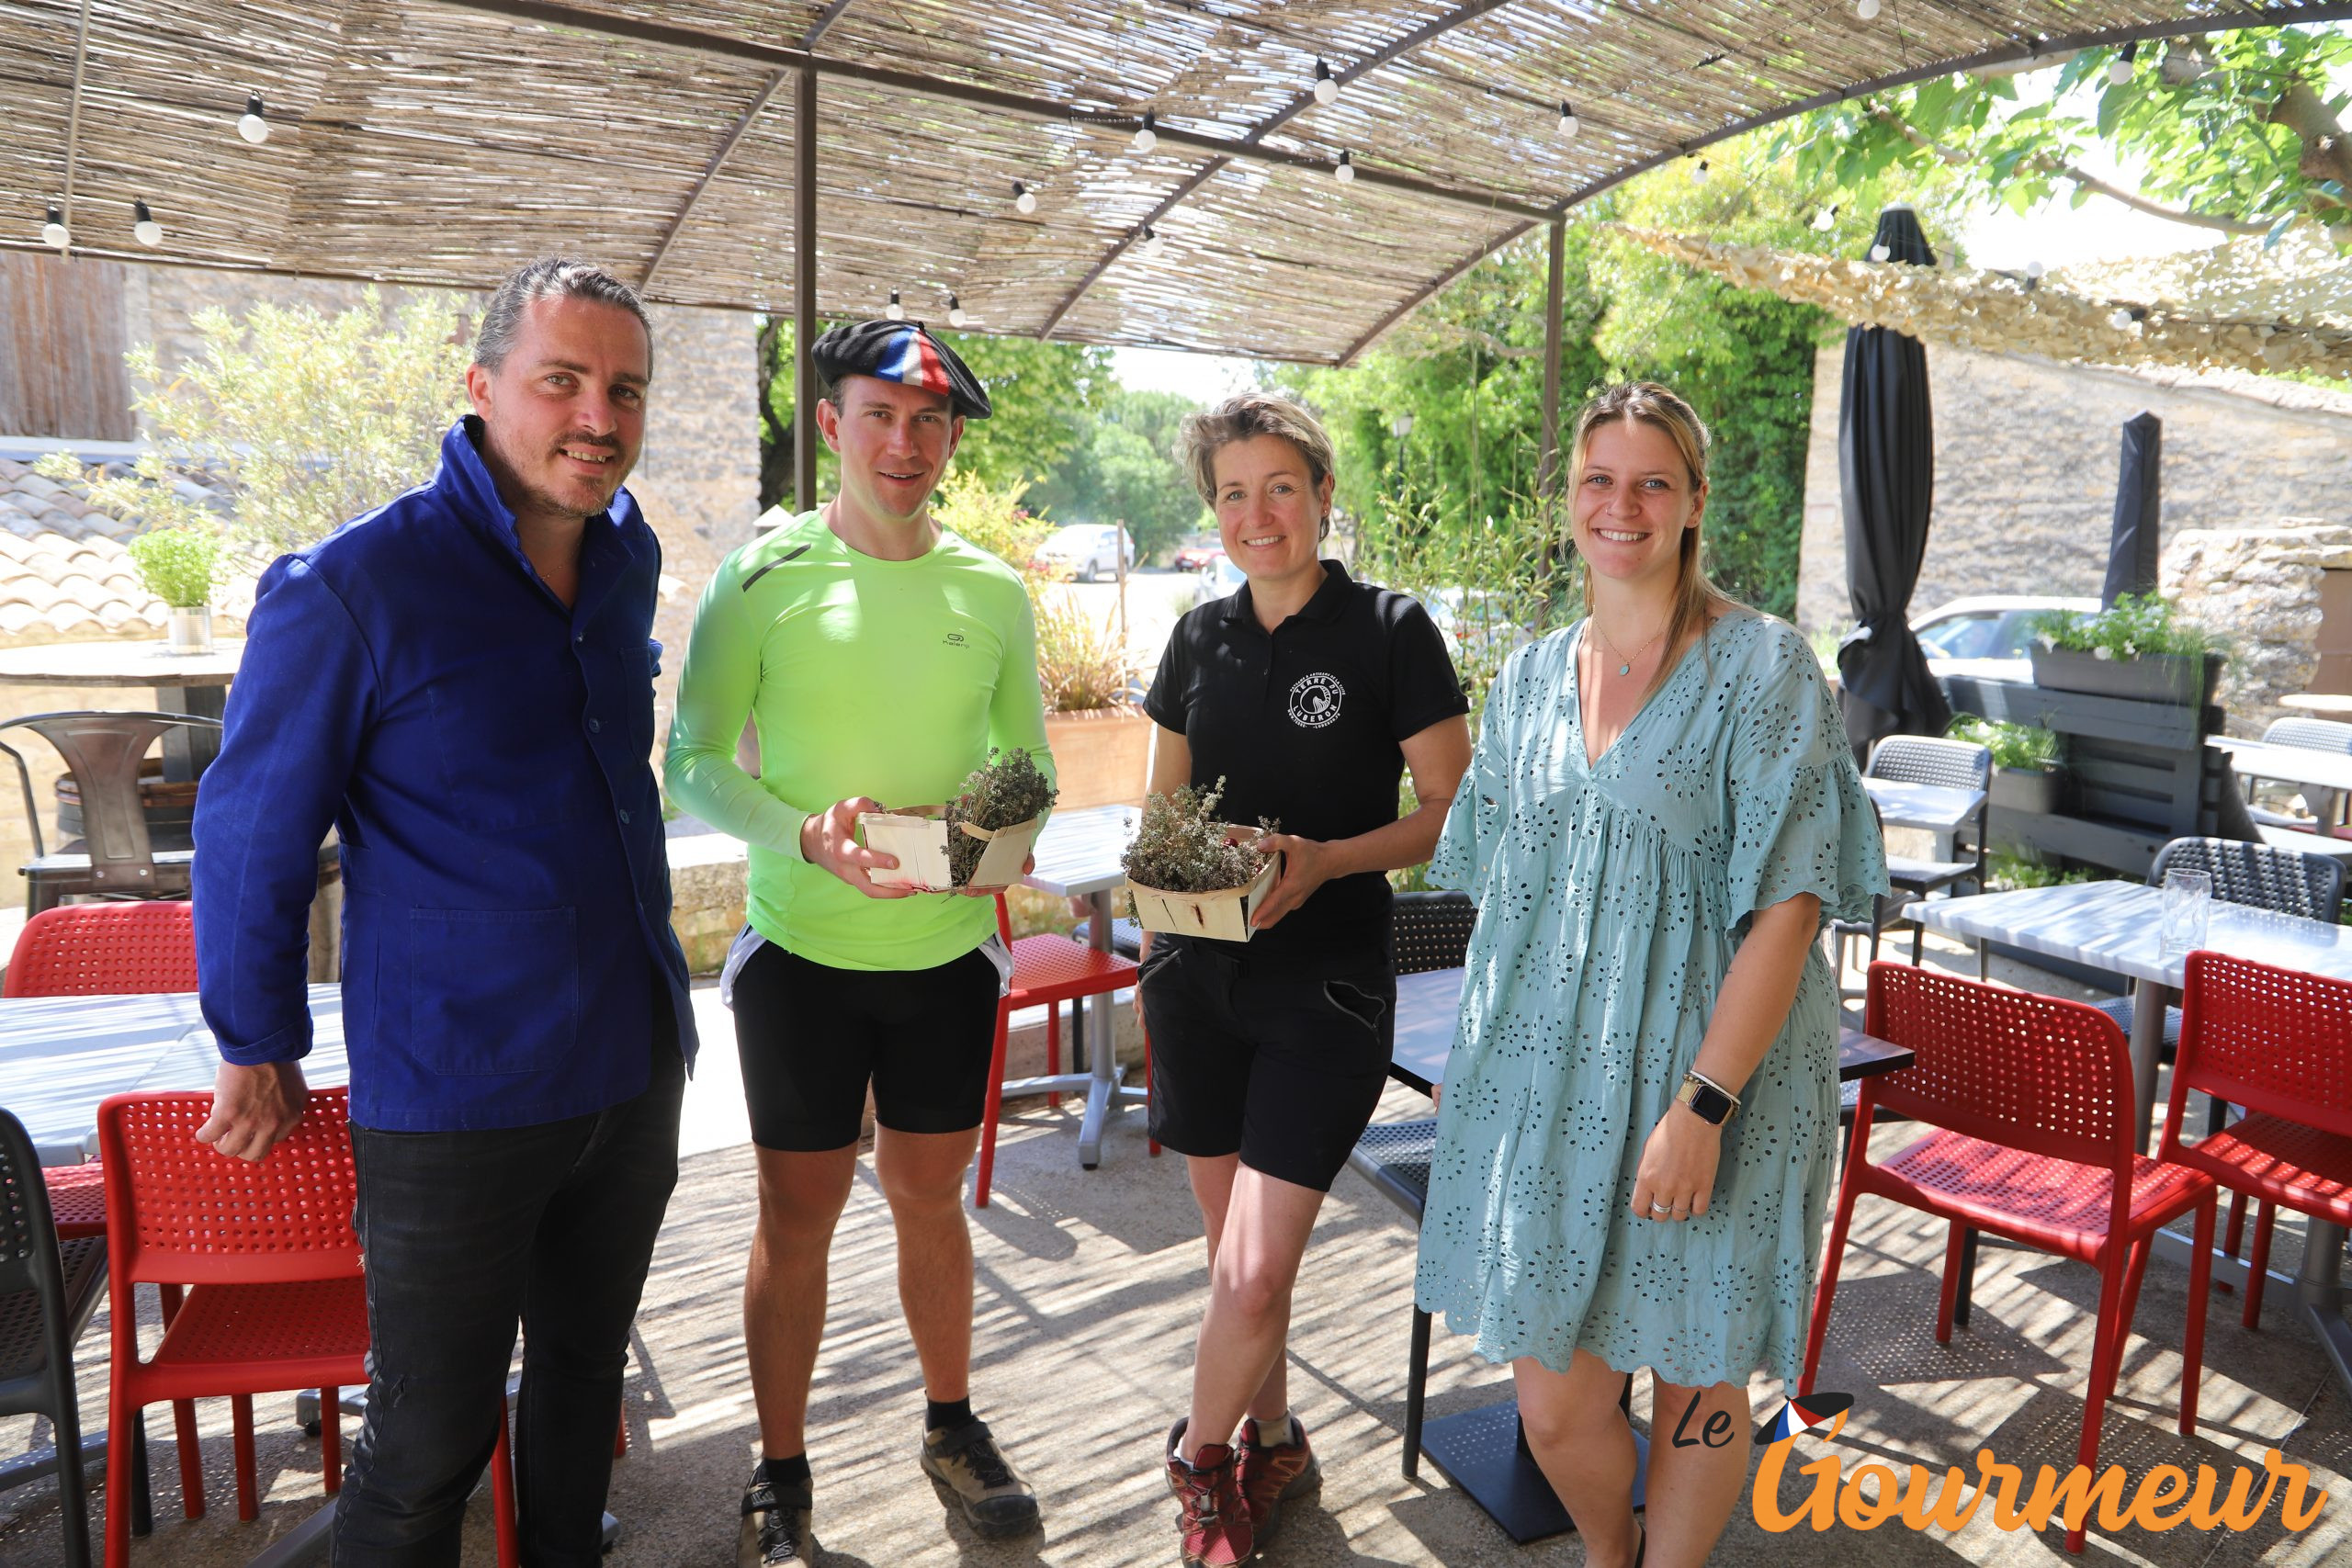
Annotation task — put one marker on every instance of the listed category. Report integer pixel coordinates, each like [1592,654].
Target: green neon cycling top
[863,677]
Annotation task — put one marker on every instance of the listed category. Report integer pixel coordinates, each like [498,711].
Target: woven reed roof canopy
[2239,305]
[444,142]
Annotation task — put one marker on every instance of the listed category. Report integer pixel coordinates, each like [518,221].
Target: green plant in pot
[2141,647]
[182,567]
[2025,761]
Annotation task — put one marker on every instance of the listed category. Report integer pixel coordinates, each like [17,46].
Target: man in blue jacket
[462,683]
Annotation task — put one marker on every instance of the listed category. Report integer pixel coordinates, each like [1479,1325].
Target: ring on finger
[1660,1210]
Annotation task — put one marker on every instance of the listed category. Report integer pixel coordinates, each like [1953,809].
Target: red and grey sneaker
[1271,1474]
[1212,1518]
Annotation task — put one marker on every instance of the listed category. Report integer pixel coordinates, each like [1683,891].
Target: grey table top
[1078,854]
[1933,807]
[2292,764]
[2114,926]
[2329,705]
[120,664]
[61,1055]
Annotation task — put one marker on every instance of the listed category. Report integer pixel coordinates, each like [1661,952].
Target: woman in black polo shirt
[1309,694]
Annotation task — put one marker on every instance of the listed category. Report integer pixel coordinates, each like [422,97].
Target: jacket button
[624,815]
[596,726]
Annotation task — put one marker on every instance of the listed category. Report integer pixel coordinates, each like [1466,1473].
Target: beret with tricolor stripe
[904,352]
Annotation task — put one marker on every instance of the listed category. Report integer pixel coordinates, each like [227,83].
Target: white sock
[1278,1433]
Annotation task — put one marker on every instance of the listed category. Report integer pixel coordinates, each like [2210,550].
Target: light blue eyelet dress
[1611,900]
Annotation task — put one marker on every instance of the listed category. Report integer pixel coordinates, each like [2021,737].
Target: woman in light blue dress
[1640,1110]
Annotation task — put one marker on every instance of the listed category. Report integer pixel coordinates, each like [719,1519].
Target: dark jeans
[465,1233]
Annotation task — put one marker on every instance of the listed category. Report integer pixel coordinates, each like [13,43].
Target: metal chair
[2030,1099]
[1947,764]
[48,1291]
[2311,735]
[102,752]
[1432,931]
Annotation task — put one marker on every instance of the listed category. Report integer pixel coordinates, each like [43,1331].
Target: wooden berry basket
[916,837]
[1222,915]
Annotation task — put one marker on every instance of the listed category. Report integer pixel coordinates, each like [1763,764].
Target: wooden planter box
[1101,757]
[2025,789]
[2158,678]
[1223,915]
[916,836]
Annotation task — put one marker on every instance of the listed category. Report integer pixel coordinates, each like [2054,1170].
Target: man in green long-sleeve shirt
[879,659]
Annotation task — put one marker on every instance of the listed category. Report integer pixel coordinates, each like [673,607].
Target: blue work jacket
[483,754]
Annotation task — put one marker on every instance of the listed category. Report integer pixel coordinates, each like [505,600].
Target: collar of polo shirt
[1326,604]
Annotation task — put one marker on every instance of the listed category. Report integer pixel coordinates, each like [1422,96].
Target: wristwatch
[1708,1100]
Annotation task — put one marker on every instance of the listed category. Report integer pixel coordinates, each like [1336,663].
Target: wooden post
[1547,471]
[804,292]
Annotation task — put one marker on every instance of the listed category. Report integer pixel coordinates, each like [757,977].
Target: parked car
[1989,636]
[1087,551]
[1196,553]
[1218,580]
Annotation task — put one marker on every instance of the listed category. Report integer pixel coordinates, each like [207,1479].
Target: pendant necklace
[1624,665]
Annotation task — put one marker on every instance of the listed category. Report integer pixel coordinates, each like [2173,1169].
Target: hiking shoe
[1268,1474]
[969,1470]
[776,1525]
[1212,1519]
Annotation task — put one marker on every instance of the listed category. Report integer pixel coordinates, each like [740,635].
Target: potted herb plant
[2141,647]
[2025,761]
[980,839]
[1101,739]
[181,567]
[1192,873]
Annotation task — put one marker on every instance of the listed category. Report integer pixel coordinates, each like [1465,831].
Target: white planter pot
[191,629]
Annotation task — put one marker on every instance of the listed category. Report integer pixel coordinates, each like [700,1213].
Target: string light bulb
[1699,174]
[143,227]
[1326,86]
[1345,169]
[2119,70]
[1147,133]
[52,231]
[894,310]
[1866,9]
[254,124]
[1570,123]
[1825,219]
[2120,319]
[956,317]
[1880,253]
[1025,200]
[1155,244]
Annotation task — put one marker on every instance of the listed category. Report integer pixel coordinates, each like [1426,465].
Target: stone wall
[2028,451]
[2261,586]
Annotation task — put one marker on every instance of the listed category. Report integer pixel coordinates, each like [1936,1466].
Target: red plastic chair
[2278,1041]
[121,949]
[270,1266]
[2031,1098]
[1047,971]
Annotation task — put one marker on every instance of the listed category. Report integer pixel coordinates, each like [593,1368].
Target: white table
[1078,857]
[2327,704]
[1938,809]
[61,1055]
[2288,764]
[2114,926]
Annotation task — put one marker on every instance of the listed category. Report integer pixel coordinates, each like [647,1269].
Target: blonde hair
[1242,417]
[1660,407]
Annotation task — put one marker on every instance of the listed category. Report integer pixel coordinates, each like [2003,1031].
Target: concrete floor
[1089,1286]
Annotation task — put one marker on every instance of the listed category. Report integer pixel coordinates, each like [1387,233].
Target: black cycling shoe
[776,1525]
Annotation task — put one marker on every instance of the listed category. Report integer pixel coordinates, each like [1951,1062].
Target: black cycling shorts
[1282,1067]
[812,1037]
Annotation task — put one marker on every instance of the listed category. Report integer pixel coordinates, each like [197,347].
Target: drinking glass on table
[2186,912]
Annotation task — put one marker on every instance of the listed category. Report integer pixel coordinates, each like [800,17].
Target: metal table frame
[1077,856]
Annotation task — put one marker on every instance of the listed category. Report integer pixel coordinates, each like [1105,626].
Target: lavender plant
[1009,791]
[1180,846]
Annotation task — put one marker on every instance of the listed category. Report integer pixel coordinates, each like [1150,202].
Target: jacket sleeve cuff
[291,1044]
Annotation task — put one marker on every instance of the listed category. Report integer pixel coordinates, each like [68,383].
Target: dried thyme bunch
[1007,791]
[1180,846]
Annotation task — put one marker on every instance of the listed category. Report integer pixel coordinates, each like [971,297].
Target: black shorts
[811,1037]
[1282,1067]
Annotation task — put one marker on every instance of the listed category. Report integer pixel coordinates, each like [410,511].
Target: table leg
[2149,999]
[1103,1095]
[2319,1290]
[188,751]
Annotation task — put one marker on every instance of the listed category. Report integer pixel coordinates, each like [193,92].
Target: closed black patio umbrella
[1886,466]
[2132,548]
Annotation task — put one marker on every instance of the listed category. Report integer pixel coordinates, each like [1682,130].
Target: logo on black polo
[1315,701]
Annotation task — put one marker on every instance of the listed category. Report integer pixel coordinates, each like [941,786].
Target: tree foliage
[1125,469]
[311,419]
[2241,131]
